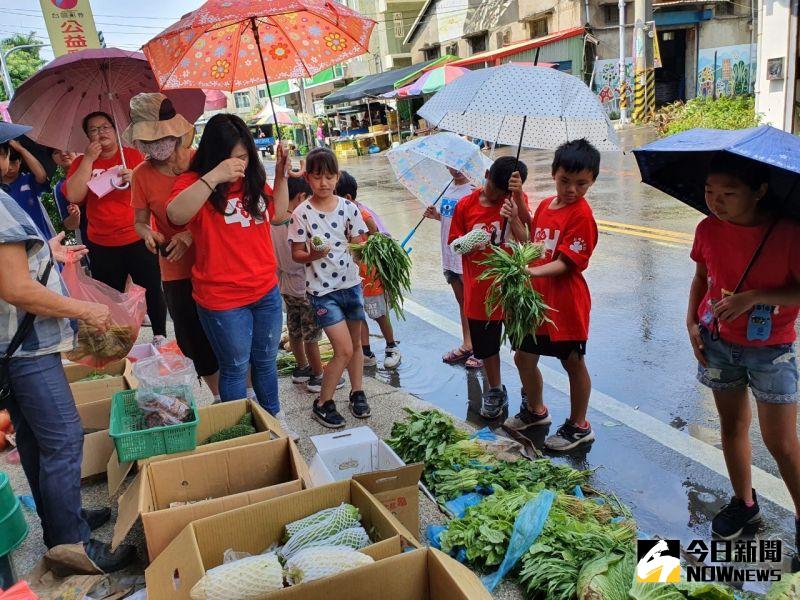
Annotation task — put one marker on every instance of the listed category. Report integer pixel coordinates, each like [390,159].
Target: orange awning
[493,56]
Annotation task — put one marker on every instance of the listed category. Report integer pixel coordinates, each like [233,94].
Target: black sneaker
[493,403]
[359,406]
[731,521]
[328,416]
[301,374]
[96,517]
[108,561]
[569,436]
[525,419]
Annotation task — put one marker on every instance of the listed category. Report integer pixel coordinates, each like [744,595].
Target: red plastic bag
[127,313]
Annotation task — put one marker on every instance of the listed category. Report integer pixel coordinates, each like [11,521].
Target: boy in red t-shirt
[487,209]
[374,297]
[564,223]
[743,308]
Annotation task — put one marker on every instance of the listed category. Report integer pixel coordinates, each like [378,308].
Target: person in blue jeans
[48,428]
[227,206]
[320,230]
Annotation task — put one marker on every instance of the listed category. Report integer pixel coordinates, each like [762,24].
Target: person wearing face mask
[165,138]
[72,217]
[116,249]
[223,200]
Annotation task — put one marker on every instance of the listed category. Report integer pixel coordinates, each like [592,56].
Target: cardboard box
[358,453]
[201,545]
[231,478]
[90,391]
[424,574]
[212,419]
[93,400]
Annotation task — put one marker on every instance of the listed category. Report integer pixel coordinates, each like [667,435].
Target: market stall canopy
[373,85]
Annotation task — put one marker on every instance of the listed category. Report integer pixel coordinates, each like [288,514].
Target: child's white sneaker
[392,358]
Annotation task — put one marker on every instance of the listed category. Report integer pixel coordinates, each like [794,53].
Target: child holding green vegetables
[565,225]
[374,298]
[333,285]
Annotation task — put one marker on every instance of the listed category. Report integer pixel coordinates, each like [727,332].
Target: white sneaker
[392,358]
[370,360]
[158,340]
[281,416]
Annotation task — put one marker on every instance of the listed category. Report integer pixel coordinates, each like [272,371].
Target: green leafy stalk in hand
[512,291]
[383,256]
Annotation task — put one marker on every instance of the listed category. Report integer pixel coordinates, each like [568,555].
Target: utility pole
[639,61]
[623,84]
[303,108]
[9,85]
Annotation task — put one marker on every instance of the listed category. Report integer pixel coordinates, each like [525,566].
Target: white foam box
[343,454]
[358,453]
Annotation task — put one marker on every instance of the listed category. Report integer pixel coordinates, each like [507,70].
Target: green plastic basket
[13,527]
[134,442]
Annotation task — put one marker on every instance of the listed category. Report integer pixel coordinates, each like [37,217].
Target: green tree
[22,63]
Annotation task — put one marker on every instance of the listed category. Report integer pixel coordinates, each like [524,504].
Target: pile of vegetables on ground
[319,545]
[286,360]
[587,544]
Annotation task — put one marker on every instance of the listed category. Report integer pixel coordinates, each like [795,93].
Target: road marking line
[666,232]
[768,485]
[649,236]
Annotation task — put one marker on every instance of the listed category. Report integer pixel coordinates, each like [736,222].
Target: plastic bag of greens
[95,348]
[527,528]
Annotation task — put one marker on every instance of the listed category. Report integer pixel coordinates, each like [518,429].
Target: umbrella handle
[413,231]
[516,164]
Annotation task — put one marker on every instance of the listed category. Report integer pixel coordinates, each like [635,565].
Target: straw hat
[153,117]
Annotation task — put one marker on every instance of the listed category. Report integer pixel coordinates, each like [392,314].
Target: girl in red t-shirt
[564,224]
[224,201]
[741,323]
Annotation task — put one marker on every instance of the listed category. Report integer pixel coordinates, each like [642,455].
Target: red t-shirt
[152,189]
[726,249]
[110,217]
[571,232]
[235,262]
[470,214]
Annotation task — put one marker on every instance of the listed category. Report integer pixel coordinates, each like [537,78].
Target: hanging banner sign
[70,25]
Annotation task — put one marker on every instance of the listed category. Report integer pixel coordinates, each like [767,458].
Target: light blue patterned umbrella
[421,164]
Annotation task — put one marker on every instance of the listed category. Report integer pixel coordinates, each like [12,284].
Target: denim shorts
[339,305]
[770,371]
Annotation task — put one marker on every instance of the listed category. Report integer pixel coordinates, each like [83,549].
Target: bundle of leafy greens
[511,290]
[424,435]
[384,257]
[576,533]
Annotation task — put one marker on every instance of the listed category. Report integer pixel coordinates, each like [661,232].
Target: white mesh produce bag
[323,561]
[246,579]
[355,538]
[343,517]
[320,517]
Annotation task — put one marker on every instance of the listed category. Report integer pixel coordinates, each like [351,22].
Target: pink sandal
[457,355]
[473,363]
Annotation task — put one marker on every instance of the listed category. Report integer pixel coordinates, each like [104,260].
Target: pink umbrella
[215,100]
[55,100]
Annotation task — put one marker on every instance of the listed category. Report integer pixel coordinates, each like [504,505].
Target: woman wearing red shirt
[115,248]
[225,203]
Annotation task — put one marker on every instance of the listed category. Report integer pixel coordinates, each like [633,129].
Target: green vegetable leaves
[512,291]
[383,256]
[424,435]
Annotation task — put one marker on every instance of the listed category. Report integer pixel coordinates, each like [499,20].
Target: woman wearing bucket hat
[165,137]
[116,250]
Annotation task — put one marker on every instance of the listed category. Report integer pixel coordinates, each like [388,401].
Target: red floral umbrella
[235,44]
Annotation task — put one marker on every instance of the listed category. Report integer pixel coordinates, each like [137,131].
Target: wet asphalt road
[638,351]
